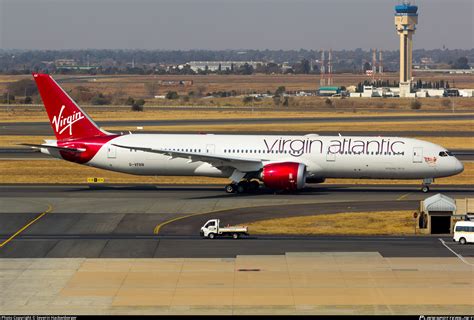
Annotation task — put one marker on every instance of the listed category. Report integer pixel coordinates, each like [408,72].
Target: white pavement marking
[455,253]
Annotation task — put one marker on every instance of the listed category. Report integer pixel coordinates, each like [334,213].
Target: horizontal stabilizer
[52,147]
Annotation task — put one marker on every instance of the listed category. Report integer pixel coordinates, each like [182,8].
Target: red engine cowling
[284,176]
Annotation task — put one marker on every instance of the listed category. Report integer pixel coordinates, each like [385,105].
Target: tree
[246,69]
[367,66]
[100,99]
[247,99]
[172,95]
[461,63]
[280,90]
[138,105]
[303,67]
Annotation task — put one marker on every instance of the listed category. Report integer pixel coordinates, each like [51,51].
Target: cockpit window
[445,154]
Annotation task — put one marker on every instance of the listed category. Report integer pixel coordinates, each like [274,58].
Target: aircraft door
[210,148]
[417,155]
[111,152]
[330,157]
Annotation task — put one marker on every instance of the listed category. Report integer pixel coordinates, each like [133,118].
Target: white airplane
[278,162]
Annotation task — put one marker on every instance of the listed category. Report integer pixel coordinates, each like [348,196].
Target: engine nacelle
[284,176]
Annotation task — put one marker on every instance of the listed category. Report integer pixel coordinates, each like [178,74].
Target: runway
[119,221]
[44,128]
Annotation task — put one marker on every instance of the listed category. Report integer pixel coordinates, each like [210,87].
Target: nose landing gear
[426,185]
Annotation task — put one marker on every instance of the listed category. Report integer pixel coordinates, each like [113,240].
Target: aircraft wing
[240,163]
[39,146]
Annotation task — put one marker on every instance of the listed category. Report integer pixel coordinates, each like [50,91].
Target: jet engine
[288,176]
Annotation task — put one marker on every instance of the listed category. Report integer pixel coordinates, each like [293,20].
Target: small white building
[436,215]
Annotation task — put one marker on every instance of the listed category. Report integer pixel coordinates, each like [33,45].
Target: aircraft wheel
[230,188]
[425,189]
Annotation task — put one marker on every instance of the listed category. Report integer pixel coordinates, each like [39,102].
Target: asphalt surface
[165,247]
[118,220]
[44,128]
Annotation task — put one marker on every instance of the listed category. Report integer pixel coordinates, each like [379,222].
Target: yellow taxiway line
[50,208]
[403,196]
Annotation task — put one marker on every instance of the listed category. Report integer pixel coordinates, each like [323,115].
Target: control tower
[406,18]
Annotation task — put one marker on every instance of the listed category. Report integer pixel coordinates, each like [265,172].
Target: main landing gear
[426,185]
[244,186]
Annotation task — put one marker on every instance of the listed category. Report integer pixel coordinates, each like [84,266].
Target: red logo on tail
[62,123]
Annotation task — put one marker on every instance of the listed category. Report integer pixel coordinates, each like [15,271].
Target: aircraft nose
[458,166]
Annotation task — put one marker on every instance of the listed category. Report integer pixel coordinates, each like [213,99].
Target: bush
[281,90]
[328,102]
[138,105]
[172,95]
[415,105]
[100,99]
[28,100]
[247,99]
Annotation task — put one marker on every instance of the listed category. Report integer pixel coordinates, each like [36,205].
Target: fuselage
[323,156]
[280,162]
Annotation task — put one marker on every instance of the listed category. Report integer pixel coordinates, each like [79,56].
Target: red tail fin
[68,120]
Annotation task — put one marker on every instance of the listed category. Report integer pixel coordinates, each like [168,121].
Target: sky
[228,24]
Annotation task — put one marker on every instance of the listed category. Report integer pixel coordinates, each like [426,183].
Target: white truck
[212,229]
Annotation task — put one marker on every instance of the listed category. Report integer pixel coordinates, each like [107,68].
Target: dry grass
[15,141]
[451,142]
[58,171]
[363,223]
[37,113]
